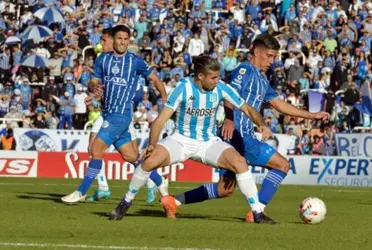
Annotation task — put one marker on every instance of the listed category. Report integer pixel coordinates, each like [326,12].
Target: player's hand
[265,132]
[147,152]
[324,116]
[88,100]
[227,129]
[98,90]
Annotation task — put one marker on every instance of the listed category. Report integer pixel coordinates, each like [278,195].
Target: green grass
[31,212]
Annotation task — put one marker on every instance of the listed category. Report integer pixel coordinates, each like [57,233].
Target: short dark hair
[267,41]
[107,31]
[204,63]
[120,28]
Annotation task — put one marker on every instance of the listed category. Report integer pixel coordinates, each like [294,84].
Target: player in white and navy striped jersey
[195,101]
[116,71]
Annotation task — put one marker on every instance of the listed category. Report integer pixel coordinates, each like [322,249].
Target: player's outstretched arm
[291,110]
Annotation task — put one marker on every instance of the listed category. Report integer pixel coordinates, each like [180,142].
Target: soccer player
[103,191]
[116,71]
[195,101]
[249,80]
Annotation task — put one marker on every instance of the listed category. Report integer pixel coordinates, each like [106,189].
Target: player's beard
[120,49]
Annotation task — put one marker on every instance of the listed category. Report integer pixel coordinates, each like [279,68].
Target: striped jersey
[254,88]
[196,109]
[118,74]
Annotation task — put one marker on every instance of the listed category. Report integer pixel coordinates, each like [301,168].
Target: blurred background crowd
[48,49]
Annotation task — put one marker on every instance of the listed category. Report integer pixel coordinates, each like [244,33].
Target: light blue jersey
[254,89]
[118,74]
[196,109]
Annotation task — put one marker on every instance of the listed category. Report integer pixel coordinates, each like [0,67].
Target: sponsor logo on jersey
[192,98]
[116,80]
[242,71]
[199,112]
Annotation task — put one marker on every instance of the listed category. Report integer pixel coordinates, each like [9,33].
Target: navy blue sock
[92,172]
[154,176]
[202,193]
[270,185]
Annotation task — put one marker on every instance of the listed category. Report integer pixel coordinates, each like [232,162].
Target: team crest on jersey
[212,97]
[115,70]
[105,124]
[242,71]
[259,98]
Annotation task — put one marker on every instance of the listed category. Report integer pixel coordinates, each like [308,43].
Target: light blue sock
[92,171]
[270,185]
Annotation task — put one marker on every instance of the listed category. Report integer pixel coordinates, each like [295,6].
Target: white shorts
[181,148]
[98,124]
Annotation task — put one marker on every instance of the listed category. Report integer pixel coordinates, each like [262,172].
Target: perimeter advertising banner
[304,170]
[49,140]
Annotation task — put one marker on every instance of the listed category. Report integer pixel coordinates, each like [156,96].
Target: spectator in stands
[318,146]
[152,114]
[8,141]
[304,143]
[80,117]
[66,110]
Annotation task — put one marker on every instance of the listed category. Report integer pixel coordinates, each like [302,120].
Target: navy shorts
[256,152]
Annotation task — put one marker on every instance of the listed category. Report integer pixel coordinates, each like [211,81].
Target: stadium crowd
[325,46]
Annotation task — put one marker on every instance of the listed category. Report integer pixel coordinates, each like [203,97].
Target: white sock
[163,187]
[248,187]
[139,179]
[150,183]
[102,181]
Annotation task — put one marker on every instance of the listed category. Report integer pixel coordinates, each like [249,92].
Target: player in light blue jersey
[116,72]
[249,80]
[195,101]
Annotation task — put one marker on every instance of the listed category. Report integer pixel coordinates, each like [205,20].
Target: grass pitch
[32,217]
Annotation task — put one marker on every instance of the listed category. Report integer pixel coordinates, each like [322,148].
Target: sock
[94,167]
[204,192]
[270,185]
[163,187]
[139,179]
[248,187]
[150,183]
[155,177]
[102,181]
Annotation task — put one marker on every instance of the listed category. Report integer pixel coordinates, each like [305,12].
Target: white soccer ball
[313,210]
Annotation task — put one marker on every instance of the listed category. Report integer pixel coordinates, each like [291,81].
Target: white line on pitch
[48,245]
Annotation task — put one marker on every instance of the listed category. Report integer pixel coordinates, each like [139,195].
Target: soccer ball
[313,210]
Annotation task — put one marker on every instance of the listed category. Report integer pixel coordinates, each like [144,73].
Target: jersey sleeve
[143,68]
[270,94]
[240,80]
[229,94]
[98,67]
[176,97]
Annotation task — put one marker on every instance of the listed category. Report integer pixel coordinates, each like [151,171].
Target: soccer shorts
[181,148]
[115,130]
[256,152]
